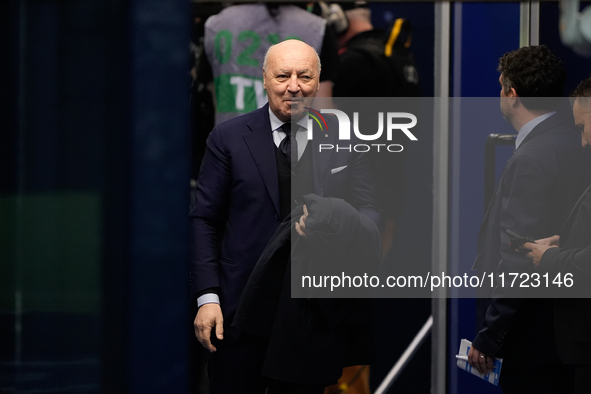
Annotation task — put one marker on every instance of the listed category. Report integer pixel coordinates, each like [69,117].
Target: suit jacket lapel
[261,146]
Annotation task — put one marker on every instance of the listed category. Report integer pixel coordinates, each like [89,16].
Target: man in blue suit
[540,184]
[244,191]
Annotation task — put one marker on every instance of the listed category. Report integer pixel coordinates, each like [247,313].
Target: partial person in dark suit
[540,183]
[244,192]
[570,253]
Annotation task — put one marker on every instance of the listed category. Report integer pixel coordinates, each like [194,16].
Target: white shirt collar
[529,126]
[277,123]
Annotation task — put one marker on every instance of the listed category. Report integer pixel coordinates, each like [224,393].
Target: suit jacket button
[296,202]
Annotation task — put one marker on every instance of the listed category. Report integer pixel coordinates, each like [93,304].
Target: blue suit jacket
[541,182]
[237,199]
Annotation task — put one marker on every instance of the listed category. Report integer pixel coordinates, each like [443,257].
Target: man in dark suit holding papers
[540,183]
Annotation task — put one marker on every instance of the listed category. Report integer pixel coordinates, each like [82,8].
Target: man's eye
[306,77]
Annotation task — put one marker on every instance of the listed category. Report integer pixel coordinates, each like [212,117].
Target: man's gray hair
[266,59]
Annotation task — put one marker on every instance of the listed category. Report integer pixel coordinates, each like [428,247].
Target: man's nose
[293,86]
[584,141]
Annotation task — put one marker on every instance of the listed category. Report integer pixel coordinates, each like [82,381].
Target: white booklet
[491,377]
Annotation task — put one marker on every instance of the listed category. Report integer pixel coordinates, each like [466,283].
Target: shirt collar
[277,123]
[529,126]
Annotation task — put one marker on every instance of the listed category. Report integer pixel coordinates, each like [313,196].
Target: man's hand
[301,225]
[537,251]
[480,361]
[208,317]
[550,241]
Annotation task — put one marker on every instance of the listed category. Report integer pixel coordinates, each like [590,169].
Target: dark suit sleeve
[575,255]
[575,261]
[525,196]
[208,217]
[355,183]
[363,191]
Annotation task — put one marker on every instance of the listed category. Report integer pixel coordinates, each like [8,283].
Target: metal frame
[440,193]
[529,23]
[406,356]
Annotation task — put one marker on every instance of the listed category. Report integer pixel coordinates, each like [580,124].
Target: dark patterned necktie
[288,144]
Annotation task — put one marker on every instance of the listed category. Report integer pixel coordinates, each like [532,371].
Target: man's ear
[264,80]
[515,99]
